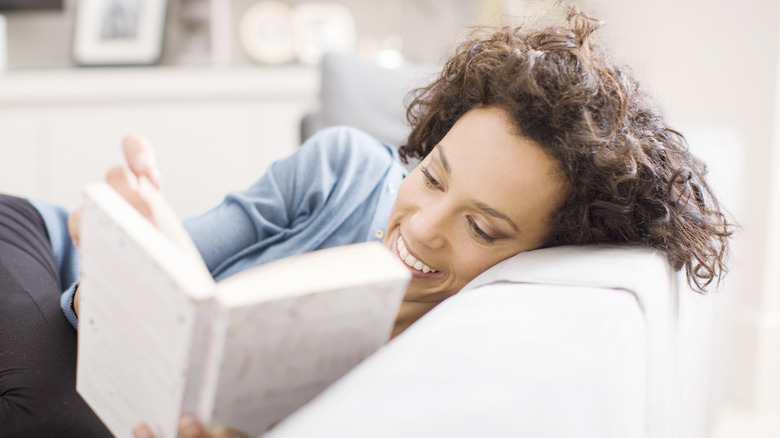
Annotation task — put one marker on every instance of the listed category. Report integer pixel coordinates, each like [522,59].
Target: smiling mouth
[410,260]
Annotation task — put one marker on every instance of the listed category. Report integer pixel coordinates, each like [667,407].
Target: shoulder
[346,146]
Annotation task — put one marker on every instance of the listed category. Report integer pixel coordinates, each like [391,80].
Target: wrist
[76,301]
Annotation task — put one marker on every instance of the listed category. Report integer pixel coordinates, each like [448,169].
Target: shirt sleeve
[299,203]
[66,303]
[65,253]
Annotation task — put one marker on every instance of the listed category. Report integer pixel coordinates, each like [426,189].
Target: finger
[76,300]
[121,180]
[190,427]
[141,158]
[74,226]
[142,431]
[221,432]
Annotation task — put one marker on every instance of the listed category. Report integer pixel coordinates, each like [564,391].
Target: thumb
[141,158]
[74,225]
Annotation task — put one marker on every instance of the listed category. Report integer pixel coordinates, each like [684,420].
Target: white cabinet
[214,130]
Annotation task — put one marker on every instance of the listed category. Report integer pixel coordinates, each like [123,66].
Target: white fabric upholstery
[560,342]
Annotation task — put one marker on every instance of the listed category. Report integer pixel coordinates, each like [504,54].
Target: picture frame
[272,32]
[30,5]
[266,32]
[323,27]
[118,32]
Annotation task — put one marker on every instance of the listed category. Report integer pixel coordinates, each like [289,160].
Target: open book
[158,337]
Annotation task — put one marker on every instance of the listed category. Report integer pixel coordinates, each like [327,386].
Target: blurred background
[220,86]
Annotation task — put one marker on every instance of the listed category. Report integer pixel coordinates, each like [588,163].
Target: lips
[410,260]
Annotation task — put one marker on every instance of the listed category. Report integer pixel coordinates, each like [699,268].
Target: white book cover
[157,336]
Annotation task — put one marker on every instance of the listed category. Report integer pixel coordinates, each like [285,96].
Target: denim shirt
[337,189]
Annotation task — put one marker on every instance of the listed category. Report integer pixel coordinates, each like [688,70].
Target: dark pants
[37,345]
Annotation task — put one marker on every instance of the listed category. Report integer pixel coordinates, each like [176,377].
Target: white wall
[713,65]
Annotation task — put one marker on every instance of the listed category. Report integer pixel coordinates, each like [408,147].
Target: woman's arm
[322,195]
[141,162]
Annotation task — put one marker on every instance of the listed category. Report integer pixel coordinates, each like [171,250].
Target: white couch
[559,342]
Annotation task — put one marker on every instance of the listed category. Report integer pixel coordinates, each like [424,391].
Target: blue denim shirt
[337,189]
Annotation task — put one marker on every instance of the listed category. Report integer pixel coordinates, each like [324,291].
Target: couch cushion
[357,92]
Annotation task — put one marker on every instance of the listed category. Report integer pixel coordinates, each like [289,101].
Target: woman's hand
[141,161]
[189,427]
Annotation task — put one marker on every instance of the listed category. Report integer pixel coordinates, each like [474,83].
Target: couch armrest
[504,359]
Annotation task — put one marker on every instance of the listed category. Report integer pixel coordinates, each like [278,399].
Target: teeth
[410,260]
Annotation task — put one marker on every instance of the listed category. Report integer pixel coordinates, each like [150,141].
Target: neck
[409,313]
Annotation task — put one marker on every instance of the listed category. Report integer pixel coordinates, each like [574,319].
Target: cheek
[400,208]
[468,260]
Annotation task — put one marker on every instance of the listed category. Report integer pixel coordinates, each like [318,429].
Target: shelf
[144,84]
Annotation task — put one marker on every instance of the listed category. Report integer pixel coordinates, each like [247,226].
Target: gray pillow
[359,93]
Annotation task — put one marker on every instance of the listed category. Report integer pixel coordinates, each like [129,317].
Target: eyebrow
[497,214]
[490,211]
[443,158]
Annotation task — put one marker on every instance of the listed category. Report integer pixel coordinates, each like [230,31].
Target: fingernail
[189,426]
[221,432]
[142,161]
[142,431]
[155,178]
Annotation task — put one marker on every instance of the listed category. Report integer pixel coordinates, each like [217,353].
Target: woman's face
[484,194]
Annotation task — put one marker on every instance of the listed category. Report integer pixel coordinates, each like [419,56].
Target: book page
[138,301]
[281,352]
[168,222]
[328,269]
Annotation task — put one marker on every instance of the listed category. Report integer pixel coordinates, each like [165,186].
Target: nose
[429,225]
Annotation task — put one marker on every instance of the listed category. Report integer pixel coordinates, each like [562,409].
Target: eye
[430,181]
[478,233]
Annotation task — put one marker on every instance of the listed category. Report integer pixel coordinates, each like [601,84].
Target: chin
[417,292]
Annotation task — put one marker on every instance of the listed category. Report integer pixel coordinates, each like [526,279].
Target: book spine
[215,335]
[202,346]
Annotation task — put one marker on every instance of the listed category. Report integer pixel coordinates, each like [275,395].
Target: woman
[528,138]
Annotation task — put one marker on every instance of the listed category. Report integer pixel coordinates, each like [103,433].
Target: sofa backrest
[559,342]
[680,323]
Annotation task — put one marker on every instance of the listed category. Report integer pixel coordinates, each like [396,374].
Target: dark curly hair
[632,179]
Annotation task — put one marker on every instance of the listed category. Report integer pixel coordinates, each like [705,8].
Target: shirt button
[390,188]
[379,234]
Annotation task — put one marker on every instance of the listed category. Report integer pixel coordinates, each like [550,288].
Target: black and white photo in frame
[119,32]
